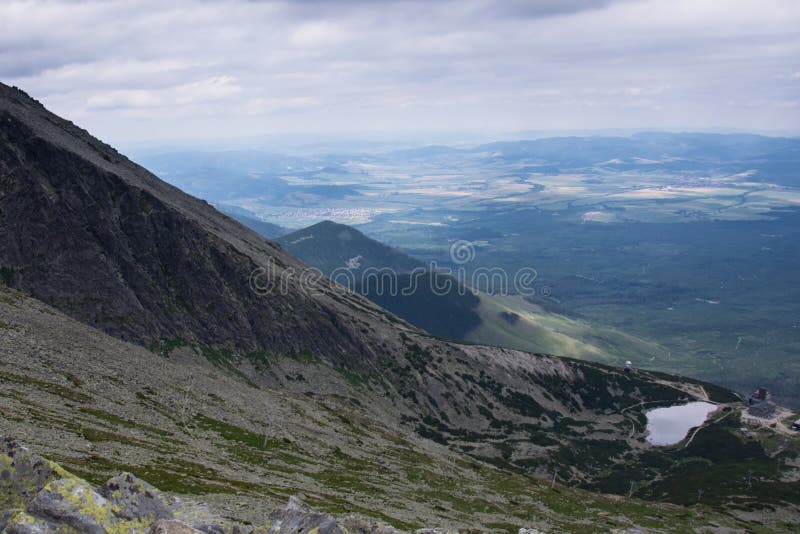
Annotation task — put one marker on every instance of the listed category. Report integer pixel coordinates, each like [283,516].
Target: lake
[668,426]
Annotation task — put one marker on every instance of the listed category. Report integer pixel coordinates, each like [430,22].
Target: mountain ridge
[115,212]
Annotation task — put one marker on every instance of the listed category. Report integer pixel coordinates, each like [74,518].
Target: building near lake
[760,405]
[763,410]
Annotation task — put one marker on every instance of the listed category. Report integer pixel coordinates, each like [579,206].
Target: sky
[202,69]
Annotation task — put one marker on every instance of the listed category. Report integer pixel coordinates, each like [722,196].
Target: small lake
[668,426]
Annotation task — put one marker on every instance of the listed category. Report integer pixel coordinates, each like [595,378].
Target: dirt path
[777,420]
[705,424]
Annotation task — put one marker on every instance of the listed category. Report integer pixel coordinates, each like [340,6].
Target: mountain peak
[329,246]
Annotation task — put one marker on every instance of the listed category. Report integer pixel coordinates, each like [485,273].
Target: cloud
[190,94]
[206,67]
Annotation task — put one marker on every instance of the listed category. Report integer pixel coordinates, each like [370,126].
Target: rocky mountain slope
[360,409]
[99,406]
[41,496]
[112,245]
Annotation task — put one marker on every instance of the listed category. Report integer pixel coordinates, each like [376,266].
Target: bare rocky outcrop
[172,526]
[297,517]
[136,499]
[42,497]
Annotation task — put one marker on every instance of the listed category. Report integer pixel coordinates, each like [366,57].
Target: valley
[685,240]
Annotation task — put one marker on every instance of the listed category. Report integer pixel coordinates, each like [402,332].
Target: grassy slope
[511,321]
[96,405]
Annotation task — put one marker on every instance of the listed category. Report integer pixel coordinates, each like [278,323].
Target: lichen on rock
[23,475]
[135,499]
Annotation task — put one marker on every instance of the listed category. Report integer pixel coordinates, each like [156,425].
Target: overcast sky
[184,69]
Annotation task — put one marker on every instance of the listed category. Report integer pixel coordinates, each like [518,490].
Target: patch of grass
[224,359]
[303,356]
[165,347]
[261,360]
[95,435]
[354,378]
[119,421]
[50,387]
[172,475]
[343,480]
[232,432]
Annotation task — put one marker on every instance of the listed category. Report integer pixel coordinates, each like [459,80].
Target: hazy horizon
[141,70]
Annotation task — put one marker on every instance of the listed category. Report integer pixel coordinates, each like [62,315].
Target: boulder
[22,476]
[72,501]
[298,518]
[135,499]
[172,526]
[201,518]
[362,525]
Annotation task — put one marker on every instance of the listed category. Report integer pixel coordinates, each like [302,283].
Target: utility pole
[553,483]
[630,492]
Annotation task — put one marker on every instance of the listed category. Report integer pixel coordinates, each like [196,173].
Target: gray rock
[23,523]
[22,476]
[73,502]
[366,525]
[136,498]
[201,518]
[172,526]
[298,518]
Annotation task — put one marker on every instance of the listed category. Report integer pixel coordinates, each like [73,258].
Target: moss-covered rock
[73,502]
[22,476]
[135,499]
[24,523]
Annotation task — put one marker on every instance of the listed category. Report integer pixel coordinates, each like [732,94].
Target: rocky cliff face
[90,232]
